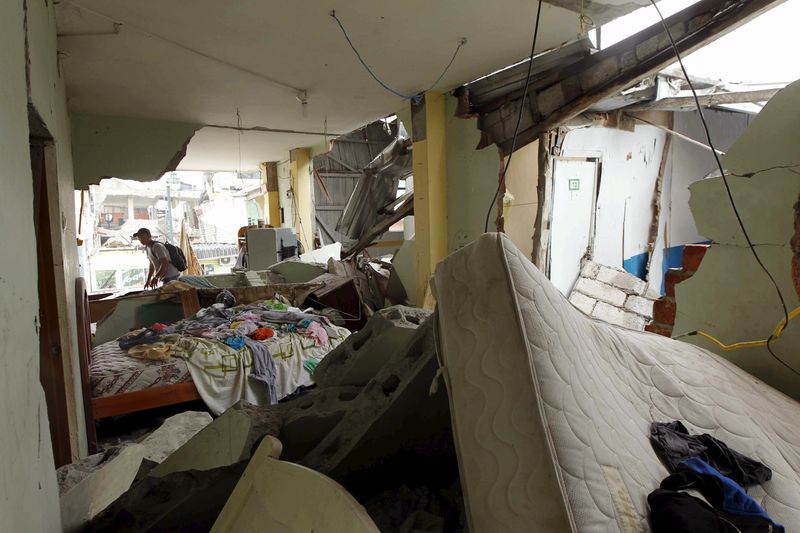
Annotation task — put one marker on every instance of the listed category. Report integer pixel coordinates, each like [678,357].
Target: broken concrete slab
[180,501]
[359,358]
[274,495]
[230,438]
[294,271]
[394,410]
[106,478]
[730,297]
[174,433]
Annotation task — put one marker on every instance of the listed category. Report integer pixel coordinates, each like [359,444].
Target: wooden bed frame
[129,402]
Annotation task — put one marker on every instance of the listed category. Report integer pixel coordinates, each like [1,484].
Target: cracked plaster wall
[730,297]
[28,490]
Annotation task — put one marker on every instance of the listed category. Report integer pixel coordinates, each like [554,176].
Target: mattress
[114,372]
[551,409]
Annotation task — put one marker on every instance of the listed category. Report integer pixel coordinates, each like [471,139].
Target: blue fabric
[734,499]
[236,342]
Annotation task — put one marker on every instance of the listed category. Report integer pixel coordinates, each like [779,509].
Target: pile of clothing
[707,465]
[224,340]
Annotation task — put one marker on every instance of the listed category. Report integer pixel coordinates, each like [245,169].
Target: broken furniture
[275,495]
[555,407]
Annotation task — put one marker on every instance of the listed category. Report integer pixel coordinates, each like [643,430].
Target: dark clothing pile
[706,464]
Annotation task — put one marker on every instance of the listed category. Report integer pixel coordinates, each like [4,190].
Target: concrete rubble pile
[376,424]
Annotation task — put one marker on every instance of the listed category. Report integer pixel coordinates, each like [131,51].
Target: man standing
[161,267]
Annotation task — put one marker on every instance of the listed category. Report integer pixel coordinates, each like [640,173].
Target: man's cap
[142,231]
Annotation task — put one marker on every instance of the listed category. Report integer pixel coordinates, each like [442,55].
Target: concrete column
[131,210]
[303,196]
[273,200]
[430,187]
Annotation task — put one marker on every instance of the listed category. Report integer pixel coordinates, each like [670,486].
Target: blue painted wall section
[673,258]
[636,265]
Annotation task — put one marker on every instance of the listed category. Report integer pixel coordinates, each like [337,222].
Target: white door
[572,226]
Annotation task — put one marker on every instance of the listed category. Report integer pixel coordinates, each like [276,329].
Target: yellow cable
[745,344]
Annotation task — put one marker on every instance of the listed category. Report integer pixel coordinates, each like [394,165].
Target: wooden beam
[380,228]
[708,100]
[572,90]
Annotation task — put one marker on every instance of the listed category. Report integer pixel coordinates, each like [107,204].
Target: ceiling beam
[572,90]
[679,103]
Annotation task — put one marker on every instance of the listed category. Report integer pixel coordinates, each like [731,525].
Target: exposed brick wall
[612,295]
[664,308]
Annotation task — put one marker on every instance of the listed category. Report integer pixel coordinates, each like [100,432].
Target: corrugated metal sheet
[338,172]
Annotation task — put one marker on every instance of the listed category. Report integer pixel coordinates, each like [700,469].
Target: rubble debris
[173,434]
[88,487]
[419,509]
[293,271]
[402,286]
[181,501]
[230,438]
[393,411]
[274,495]
[613,296]
[363,354]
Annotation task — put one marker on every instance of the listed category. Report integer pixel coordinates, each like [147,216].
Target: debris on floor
[613,296]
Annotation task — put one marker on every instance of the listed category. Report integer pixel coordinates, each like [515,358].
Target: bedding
[222,372]
[551,409]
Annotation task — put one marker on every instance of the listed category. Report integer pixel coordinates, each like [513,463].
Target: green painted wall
[730,296]
[471,179]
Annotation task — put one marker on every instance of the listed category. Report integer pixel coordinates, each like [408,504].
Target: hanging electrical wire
[502,179]
[750,244]
[414,97]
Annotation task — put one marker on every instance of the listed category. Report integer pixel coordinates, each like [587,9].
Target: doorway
[575,186]
[54,364]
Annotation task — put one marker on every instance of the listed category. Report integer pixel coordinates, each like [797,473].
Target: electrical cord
[414,97]
[519,117]
[729,192]
[745,344]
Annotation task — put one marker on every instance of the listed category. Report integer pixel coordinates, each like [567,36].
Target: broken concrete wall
[613,296]
[129,148]
[730,297]
[28,491]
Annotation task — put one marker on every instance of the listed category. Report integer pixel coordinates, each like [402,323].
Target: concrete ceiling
[197,61]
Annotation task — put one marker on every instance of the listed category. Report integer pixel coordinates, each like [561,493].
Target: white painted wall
[630,162]
[28,490]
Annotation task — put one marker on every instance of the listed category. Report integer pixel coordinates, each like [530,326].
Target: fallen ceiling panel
[129,148]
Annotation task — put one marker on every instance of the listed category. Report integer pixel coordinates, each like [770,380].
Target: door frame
[56,369]
[551,212]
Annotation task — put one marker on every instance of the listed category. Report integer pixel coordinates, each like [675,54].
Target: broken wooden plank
[380,228]
[679,103]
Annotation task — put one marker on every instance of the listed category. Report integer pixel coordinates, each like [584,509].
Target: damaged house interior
[504,266]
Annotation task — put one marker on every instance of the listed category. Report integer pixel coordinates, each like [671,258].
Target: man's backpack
[176,256]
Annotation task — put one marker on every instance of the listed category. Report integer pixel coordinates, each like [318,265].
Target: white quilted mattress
[551,409]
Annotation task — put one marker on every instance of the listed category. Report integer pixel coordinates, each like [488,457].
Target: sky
[761,51]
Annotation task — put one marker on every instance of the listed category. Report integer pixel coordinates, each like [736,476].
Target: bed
[115,383]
